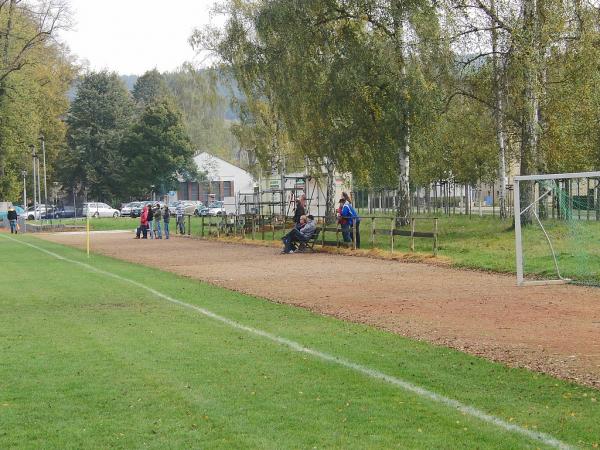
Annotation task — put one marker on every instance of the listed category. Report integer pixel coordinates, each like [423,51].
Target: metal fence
[440,198]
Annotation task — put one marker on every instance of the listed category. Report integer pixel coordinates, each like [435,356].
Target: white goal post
[519,211]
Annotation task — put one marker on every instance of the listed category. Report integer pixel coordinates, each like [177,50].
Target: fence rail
[272,227]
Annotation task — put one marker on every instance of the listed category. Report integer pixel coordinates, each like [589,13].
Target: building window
[227,189]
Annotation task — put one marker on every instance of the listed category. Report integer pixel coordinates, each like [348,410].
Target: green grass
[483,243]
[93,362]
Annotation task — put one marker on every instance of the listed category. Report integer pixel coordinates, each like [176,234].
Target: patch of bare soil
[550,329]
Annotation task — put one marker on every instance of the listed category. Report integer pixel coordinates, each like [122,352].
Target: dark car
[49,212]
[66,212]
[136,210]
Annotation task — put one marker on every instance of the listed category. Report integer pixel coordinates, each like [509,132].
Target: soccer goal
[557,233]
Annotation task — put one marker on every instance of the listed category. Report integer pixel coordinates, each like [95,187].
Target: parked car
[128,207]
[201,209]
[216,209]
[189,205]
[49,212]
[97,209]
[66,212]
[35,212]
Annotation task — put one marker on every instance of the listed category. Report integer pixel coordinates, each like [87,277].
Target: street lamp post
[24,173]
[45,182]
[39,184]
[33,157]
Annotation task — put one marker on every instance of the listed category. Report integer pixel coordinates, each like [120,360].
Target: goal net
[557,228]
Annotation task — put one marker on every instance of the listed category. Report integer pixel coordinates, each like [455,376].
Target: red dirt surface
[550,329]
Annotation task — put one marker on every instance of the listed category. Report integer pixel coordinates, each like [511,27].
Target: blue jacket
[349,213]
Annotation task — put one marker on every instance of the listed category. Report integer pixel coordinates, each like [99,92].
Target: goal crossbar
[557,176]
[519,212]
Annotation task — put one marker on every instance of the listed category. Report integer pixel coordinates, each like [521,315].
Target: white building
[224,182]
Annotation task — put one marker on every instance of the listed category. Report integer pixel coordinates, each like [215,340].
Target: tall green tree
[337,78]
[151,87]
[157,150]
[203,108]
[100,116]
[35,73]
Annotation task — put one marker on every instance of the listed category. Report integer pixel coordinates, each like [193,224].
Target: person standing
[353,218]
[143,228]
[158,220]
[150,220]
[180,211]
[298,212]
[12,220]
[166,219]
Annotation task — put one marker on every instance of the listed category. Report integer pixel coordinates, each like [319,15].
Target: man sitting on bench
[302,235]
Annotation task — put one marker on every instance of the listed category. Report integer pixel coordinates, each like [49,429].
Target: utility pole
[45,181]
[24,173]
[39,186]
[33,157]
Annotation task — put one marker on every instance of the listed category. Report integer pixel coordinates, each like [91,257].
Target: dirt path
[552,329]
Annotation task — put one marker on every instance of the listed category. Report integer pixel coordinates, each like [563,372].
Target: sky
[133,36]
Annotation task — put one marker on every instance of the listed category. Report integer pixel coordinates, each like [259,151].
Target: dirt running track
[552,329]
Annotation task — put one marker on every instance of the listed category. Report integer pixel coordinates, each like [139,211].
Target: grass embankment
[89,361]
[482,243]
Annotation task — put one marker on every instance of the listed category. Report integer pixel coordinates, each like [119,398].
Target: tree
[150,88]
[203,107]
[35,73]
[98,119]
[336,77]
[157,149]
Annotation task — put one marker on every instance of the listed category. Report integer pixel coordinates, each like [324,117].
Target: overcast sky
[133,36]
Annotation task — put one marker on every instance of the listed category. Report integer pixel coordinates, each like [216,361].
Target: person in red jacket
[143,228]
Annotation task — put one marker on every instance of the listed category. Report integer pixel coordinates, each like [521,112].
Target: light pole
[24,173]
[33,157]
[45,183]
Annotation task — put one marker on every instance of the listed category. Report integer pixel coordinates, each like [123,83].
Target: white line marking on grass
[372,373]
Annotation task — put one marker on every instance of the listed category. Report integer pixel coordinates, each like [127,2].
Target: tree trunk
[403,205]
[499,92]
[530,120]
[330,216]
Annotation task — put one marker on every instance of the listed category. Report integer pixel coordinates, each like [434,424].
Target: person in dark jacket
[302,235]
[298,212]
[150,226]
[166,219]
[157,221]
[12,220]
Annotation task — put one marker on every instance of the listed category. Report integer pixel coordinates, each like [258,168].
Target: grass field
[104,356]
[484,243]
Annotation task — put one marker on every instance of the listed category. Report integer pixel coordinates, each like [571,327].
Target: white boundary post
[518,238]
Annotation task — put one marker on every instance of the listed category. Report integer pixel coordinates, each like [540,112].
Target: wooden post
[202,226]
[253,227]
[189,230]
[337,235]
[392,234]
[435,236]
[354,234]
[273,227]
[323,224]
[372,232]
[412,234]
[219,227]
[262,227]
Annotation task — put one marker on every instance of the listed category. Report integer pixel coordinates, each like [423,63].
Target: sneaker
[291,251]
